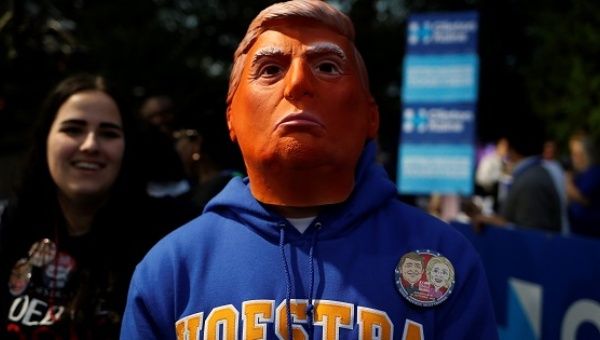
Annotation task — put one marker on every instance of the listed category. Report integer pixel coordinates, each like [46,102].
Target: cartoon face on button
[20,276]
[301,99]
[411,267]
[439,272]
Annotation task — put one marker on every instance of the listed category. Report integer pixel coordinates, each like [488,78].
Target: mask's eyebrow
[266,52]
[326,48]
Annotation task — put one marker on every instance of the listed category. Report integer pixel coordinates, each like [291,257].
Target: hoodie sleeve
[139,319]
[144,317]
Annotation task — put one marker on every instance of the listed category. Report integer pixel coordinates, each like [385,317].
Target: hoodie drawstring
[310,307]
[288,281]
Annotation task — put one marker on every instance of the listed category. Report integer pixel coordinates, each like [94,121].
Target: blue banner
[440,83]
[443,33]
[543,286]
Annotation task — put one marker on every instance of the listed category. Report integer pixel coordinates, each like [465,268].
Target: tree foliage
[563,70]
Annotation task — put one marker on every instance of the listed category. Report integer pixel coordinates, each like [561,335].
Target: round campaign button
[40,254]
[20,276]
[425,278]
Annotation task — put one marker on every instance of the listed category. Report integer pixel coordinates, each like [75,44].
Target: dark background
[537,57]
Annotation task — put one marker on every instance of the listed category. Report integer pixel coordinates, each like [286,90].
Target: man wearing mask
[308,246]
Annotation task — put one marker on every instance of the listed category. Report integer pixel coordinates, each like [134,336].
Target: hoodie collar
[372,188]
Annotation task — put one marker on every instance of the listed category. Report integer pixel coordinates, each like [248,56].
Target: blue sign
[436,168]
[442,33]
[427,123]
[440,83]
[443,78]
[543,286]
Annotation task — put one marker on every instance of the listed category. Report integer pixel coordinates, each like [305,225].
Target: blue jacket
[233,272]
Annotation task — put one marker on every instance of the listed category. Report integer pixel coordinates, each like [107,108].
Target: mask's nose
[299,82]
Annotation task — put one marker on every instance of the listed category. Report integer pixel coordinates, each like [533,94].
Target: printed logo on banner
[419,33]
[437,124]
[443,32]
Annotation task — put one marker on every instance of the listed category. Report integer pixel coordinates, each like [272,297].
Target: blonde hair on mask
[315,10]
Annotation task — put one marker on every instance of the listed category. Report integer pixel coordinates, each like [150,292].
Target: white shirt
[301,224]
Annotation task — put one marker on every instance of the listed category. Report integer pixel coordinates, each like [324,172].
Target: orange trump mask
[301,112]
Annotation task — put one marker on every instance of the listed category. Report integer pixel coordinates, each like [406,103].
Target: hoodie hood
[371,190]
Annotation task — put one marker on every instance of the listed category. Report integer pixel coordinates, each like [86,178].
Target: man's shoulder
[409,214]
[539,173]
[193,234]
[415,221]
[539,182]
[199,228]
[415,229]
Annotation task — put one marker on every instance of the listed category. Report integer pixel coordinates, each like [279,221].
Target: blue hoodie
[241,271]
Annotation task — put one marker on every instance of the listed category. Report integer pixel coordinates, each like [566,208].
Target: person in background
[556,170]
[550,151]
[583,185]
[491,172]
[188,144]
[158,111]
[492,167]
[204,164]
[308,246]
[533,196]
[80,221]
[164,172]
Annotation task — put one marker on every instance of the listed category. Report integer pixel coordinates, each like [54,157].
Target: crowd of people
[191,161]
[529,184]
[309,244]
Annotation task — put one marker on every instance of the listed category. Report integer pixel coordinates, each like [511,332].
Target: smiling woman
[65,243]
[85,147]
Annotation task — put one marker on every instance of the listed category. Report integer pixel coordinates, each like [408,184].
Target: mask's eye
[328,67]
[270,70]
